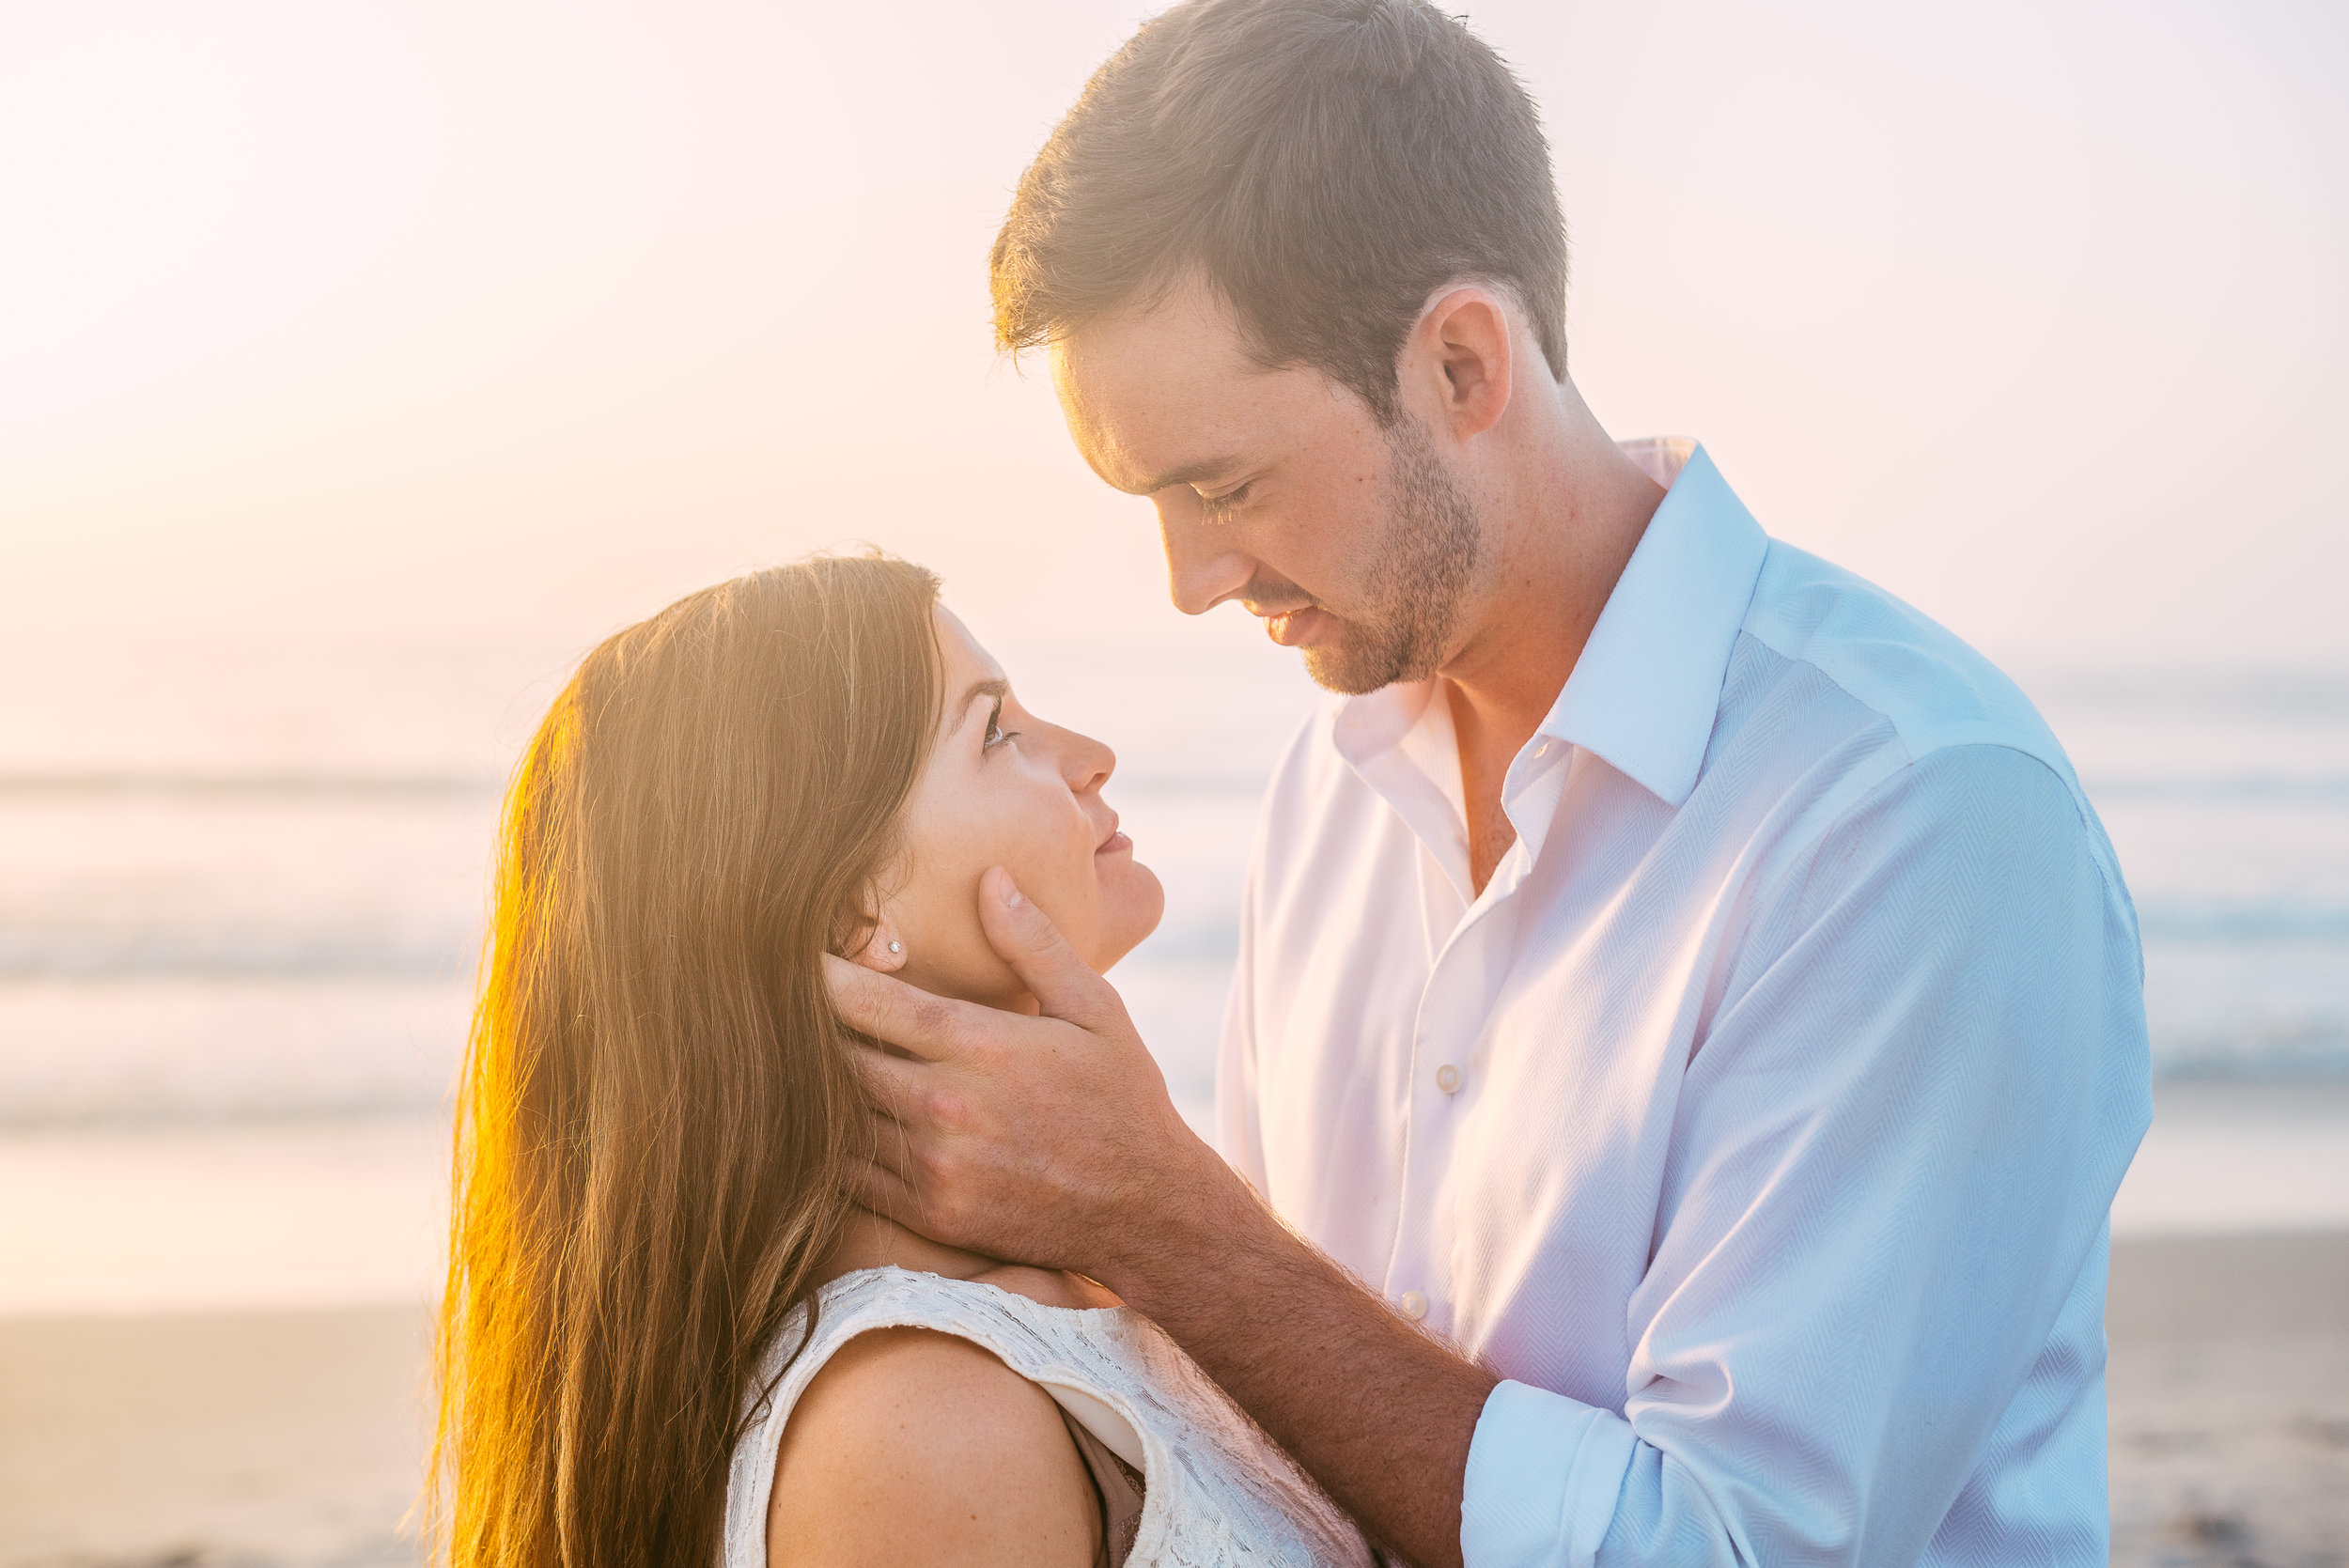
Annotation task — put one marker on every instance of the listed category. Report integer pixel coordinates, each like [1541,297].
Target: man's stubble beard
[1425,558]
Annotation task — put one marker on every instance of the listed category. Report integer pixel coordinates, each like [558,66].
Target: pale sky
[440,320]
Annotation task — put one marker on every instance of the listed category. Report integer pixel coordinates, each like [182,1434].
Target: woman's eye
[995,732]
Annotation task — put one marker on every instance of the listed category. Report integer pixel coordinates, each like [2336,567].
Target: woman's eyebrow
[996,687]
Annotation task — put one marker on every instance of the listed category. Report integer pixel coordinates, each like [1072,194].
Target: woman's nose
[1086,764]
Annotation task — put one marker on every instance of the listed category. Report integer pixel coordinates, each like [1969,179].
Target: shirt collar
[1644,693]
[1399,739]
[1645,690]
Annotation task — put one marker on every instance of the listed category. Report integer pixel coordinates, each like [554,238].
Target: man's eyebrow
[1189,473]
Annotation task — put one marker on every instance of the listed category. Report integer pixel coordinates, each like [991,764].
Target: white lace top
[1216,1490]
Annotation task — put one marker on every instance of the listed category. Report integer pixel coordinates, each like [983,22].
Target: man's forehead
[1161,397]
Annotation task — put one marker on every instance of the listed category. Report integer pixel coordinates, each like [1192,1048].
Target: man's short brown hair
[1326,165]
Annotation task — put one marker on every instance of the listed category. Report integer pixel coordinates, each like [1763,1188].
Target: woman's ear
[884,950]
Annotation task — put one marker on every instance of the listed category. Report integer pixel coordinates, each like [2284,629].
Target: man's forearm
[1378,1412]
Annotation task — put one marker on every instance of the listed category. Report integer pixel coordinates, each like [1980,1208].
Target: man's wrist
[1197,1218]
[1310,1353]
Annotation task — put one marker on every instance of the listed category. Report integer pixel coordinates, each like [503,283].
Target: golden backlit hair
[656,1105]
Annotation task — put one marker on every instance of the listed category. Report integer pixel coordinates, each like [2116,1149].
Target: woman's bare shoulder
[916,1446]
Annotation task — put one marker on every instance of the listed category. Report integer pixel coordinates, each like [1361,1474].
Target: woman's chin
[1140,905]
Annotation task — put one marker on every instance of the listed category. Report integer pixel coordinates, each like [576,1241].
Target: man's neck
[1568,525]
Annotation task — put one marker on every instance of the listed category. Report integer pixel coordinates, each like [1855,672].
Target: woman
[669,1337]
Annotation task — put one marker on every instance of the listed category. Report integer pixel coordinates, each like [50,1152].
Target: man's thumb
[1025,938]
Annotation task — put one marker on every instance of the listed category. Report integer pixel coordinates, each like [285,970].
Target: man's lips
[1294,627]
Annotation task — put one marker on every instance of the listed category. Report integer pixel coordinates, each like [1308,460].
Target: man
[1687,1030]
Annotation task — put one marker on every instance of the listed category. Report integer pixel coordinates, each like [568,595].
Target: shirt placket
[1464,983]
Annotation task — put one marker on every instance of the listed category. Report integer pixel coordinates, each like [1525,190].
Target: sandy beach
[2230,1402]
[219,1440]
[261,1439]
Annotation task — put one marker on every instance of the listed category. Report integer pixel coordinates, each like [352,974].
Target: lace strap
[1058,1348]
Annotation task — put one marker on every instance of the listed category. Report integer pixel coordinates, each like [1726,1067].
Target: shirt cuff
[1544,1472]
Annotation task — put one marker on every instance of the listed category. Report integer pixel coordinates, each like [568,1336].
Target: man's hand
[1048,1140]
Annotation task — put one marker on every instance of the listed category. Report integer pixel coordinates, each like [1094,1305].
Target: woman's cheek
[1066,895]
[1068,909]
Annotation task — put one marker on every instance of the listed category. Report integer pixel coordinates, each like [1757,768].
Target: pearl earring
[896,947]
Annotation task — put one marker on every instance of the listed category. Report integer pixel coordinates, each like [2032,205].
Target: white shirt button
[1448,1079]
[1413,1304]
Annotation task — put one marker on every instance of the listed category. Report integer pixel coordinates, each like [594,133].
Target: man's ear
[1466,343]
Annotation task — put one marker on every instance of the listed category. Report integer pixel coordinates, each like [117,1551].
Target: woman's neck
[876,1241]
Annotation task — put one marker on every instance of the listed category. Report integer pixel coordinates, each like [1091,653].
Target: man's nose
[1202,567]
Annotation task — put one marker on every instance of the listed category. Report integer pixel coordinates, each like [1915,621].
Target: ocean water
[240,889]
[241,883]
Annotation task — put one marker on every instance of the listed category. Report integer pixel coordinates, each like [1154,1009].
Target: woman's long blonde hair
[657,1106]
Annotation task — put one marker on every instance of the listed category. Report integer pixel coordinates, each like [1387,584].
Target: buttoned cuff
[1544,1472]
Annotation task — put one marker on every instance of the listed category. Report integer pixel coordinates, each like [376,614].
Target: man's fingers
[889,1144]
[892,1086]
[885,1192]
[932,1028]
[1025,938]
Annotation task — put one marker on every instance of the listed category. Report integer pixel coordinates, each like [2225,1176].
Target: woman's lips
[1113,844]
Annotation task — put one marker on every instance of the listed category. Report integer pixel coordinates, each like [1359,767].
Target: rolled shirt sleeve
[1544,1474]
[1894,1153]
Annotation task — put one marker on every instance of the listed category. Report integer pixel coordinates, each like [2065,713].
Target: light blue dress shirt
[1760,1119]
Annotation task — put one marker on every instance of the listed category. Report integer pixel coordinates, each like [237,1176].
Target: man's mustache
[1271,595]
